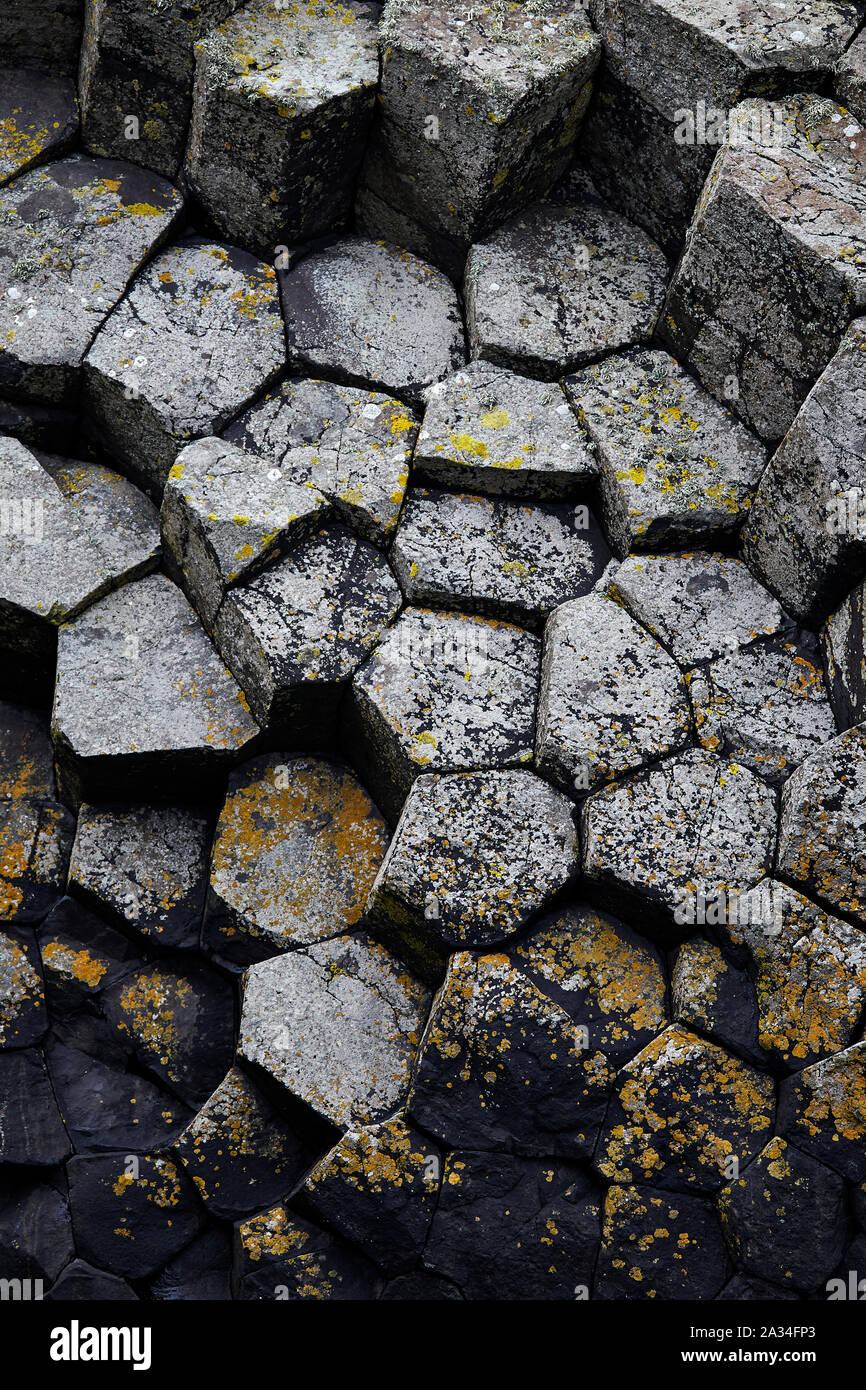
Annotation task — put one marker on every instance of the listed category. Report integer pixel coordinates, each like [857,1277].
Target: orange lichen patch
[832,1100]
[80,965]
[373,1160]
[271,1234]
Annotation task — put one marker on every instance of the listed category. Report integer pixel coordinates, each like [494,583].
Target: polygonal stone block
[805,537]
[225,515]
[557,286]
[441,692]
[491,431]
[196,339]
[142,696]
[372,315]
[822,1110]
[23,1017]
[479,110]
[81,956]
[849,82]
[503,1067]
[657,1245]
[279,1256]
[499,559]
[297,847]
[35,1232]
[698,606]
[610,699]
[73,235]
[31,1126]
[281,105]
[785,1218]
[295,636]
[201,1272]
[107,1107]
[35,830]
[822,824]
[676,467]
[713,996]
[38,120]
[81,1283]
[131,1215]
[42,34]
[144,867]
[136,75]
[337,1025]
[758,329]
[474,856]
[353,446]
[689,829]
[682,1111]
[843,646]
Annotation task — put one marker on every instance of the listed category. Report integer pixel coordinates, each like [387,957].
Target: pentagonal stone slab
[508,88]
[136,76]
[843,646]
[121,523]
[131,1217]
[279,1256]
[297,847]
[337,1025]
[38,120]
[238,1151]
[106,1107]
[23,1017]
[72,235]
[502,1067]
[822,1111]
[541,1223]
[81,956]
[850,78]
[698,606]
[610,699]
[765,707]
[713,996]
[809,970]
[295,635]
[822,824]
[31,1127]
[145,867]
[474,857]
[759,331]
[555,287]
[141,696]
[492,431]
[351,445]
[442,692]
[785,1218]
[226,514]
[198,336]
[35,830]
[42,34]
[378,1187]
[658,1245]
[373,315]
[676,466]
[690,828]
[805,536]
[682,1109]
[300,84]
[496,558]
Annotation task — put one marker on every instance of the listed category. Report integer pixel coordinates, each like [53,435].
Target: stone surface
[132,1212]
[556,287]
[297,847]
[353,446]
[141,695]
[442,692]
[282,100]
[337,1025]
[372,315]
[81,1283]
[495,432]
[850,78]
[23,1016]
[38,120]
[279,1256]
[196,339]
[843,646]
[31,1126]
[42,34]
[35,830]
[676,467]
[81,956]
[822,1111]
[715,997]
[35,1231]
[759,325]
[658,1245]
[107,1107]
[821,828]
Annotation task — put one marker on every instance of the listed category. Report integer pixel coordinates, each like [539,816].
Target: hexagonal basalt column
[822,824]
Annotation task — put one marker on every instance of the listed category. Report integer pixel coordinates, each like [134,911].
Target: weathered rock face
[820,832]
[850,78]
[38,120]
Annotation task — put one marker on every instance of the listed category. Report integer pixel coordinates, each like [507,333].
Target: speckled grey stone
[38,119]
[774,265]
[297,847]
[442,693]
[850,78]
[506,90]
[500,559]
[492,431]
[697,605]
[225,514]
[352,445]
[822,824]
[555,287]
[295,635]
[282,102]
[692,826]
[843,645]
[372,315]
[72,235]
[145,867]
[806,534]
[142,697]
[337,1024]
[677,469]
[822,1111]
[197,337]
[611,699]
[23,1016]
